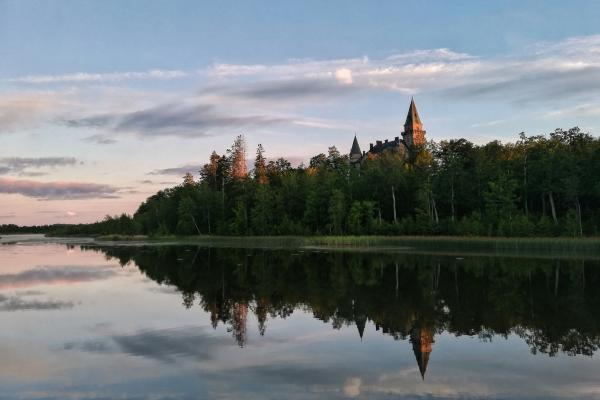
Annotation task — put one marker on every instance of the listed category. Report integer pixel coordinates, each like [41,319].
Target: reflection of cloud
[53,275]
[290,372]
[352,387]
[163,345]
[16,303]
[57,190]
[165,290]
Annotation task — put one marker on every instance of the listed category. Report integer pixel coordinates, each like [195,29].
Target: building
[413,135]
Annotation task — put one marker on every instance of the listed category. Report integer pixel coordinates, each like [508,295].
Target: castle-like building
[413,135]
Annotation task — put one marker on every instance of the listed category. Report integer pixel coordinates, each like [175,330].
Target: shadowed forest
[543,185]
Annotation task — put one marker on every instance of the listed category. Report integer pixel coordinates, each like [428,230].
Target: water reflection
[549,304]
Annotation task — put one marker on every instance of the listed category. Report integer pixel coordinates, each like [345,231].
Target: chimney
[378,142]
[370,146]
[386,140]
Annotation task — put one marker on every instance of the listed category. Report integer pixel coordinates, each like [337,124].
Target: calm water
[197,323]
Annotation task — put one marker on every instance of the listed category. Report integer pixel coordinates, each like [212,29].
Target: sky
[104,103]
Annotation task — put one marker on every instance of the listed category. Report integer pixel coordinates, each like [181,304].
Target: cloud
[53,275]
[236,97]
[57,190]
[300,88]
[177,171]
[344,75]
[548,71]
[100,139]
[28,110]
[580,110]
[21,164]
[80,77]
[175,119]
[16,303]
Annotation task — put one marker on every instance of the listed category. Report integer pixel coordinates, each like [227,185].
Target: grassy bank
[554,247]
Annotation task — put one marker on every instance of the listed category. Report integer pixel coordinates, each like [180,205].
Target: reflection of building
[413,135]
[421,339]
[360,316]
[361,321]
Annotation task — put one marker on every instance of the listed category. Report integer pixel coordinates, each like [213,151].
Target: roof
[355,147]
[413,115]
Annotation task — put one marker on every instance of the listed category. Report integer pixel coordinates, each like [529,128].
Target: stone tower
[355,153]
[414,134]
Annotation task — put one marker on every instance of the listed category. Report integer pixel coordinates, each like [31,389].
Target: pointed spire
[355,147]
[413,118]
[413,134]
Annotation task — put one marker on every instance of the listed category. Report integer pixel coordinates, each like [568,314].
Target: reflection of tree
[405,296]
[239,322]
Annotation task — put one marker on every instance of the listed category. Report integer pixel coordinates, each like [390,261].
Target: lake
[86,321]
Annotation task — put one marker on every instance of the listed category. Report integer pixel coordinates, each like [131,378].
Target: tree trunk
[379,211]
[552,207]
[525,186]
[223,190]
[208,215]
[578,208]
[434,208]
[394,204]
[196,225]
[452,198]
[544,204]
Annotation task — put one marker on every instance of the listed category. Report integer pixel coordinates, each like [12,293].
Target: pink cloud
[57,190]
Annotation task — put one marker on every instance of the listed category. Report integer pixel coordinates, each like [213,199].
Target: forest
[545,185]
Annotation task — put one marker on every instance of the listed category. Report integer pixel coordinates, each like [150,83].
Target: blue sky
[102,103]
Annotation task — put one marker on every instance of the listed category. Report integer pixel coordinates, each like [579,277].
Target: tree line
[545,185]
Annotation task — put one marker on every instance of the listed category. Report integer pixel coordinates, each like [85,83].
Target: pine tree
[188,180]
[260,166]
[238,158]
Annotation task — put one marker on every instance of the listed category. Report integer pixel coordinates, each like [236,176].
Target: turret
[355,153]
[414,134]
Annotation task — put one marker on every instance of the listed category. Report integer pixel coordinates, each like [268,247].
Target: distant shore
[450,245]
[554,247]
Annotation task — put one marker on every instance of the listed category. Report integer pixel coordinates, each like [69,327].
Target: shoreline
[560,247]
